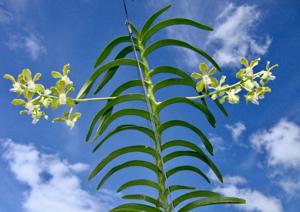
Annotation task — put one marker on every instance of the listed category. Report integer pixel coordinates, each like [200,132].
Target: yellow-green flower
[61,90]
[30,82]
[17,85]
[220,89]
[247,72]
[63,77]
[267,74]
[231,95]
[69,119]
[205,76]
[255,95]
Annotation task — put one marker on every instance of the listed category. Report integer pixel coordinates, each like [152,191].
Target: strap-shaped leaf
[211,201]
[138,182]
[171,22]
[135,207]
[211,119]
[124,112]
[153,17]
[194,194]
[146,198]
[174,42]
[186,168]
[200,155]
[120,152]
[89,83]
[170,82]
[125,127]
[109,74]
[125,86]
[174,123]
[135,30]
[181,143]
[110,104]
[171,70]
[174,188]
[117,92]
[133,163]
[221,107]
[107,50]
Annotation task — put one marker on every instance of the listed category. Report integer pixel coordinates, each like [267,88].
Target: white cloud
[281,144]
[291,186]
[53,184]
[236,130]
[31,43]
[217,142]
[255,200]
[233,36]
[234,180]
[5,16]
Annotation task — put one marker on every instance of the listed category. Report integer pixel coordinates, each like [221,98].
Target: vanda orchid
[207,85]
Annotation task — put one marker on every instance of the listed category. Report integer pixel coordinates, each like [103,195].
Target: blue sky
[257,147]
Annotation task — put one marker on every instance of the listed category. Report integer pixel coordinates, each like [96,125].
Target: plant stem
[161,176]
[94,99]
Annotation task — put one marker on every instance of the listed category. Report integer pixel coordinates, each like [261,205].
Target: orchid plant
[35,99]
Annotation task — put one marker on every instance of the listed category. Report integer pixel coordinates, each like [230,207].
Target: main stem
[161,175]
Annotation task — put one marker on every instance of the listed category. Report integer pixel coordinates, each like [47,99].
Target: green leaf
[194,194]
[121,128]
[118,91]
[110,104]
[174,188]
[146,198]
[181,143]
[211,119]
[89,83]
[135,207]
[109,75]
[125,86]
[211,201]
[221,107]
[117,153]
[171,70]
[18,102]
[186,168]
[138,182]
[153,17]
[170,82]
[170,22]
[200,155]
[173,42]
[124,112]
[174,123]
[56,74]
[133,163]
[134,29]
[108,49]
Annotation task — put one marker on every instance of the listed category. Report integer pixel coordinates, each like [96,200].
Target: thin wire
[141,75]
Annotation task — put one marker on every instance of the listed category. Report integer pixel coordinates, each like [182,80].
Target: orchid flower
[206,81]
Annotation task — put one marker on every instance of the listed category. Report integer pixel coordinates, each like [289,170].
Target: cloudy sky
[44,167]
